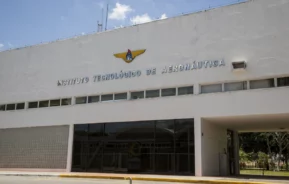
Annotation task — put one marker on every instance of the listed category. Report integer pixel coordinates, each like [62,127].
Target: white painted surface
[70,148]
[198,146]
[256,31]
[214,143]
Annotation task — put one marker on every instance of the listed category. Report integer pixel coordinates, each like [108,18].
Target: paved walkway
[54,180]
[154,178]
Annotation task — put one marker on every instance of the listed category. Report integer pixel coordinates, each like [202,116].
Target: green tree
[262,160]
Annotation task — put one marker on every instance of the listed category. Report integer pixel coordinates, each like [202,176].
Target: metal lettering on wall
[137,73]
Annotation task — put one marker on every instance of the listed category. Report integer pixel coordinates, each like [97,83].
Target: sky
[30,22]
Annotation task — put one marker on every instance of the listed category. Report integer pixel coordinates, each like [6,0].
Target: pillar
[198,146]
[70,148]
[236,152]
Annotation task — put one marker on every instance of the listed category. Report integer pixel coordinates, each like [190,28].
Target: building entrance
[163,147]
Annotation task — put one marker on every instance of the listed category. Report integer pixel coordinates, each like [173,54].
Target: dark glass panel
[120,96]
[137,95]
[80,147]
[95,136]
[44,103]
[135,147]
[263,83]
[184,140]
[93,99]
[129,146]
[108,97]
[2,107]
[152,93]
[169,92]
[186,90]
[66,101]
[165,146]
[10,107]
[284,81]
[54,103]
[81,100]
[20,106]
[32,105]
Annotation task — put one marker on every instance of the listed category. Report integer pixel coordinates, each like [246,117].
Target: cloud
[1,46]
[83,33]
[117,27]
[139,19]
[119,12]
[10,45]
[164,16]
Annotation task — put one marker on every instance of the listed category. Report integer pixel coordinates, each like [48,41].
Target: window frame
[262,79]
[33,107]
[106,95]
[245,84]
[66,98]
[10,109]
[161,91]
[99,100]
[119,94]
[43,101]
[201,85]
[178,94]
[55,100]
[3,105]
[75,100]
[131,92]
[23,107]
[284,77]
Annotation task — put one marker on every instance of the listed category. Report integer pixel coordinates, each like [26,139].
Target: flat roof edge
[237,2]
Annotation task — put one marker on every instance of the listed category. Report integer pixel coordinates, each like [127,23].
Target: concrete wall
[254,31]
[214,141]
[210,144]
[34,148]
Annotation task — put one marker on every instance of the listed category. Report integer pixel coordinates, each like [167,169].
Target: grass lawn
[266,173]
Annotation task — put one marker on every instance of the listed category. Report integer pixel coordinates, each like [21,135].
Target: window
[107,97]
[283,81]
[212,88]
[93,99]
[186,90]
[65,101]
[10,107]
[235,86]
[81,100]
[32,105]
[239,65]
[44,103]
[20,106]
[265,83]
[137,95]
[152,93]
[54,103]
[2,107]
[169,92]
[120,96]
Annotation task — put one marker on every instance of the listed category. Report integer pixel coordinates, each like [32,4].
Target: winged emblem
[129,56]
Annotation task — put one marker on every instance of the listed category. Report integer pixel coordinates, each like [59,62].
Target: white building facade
[167,106]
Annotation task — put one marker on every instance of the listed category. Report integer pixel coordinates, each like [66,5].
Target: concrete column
[70,148]
[236,153]
[198,146]
[197,89]
[275,82]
